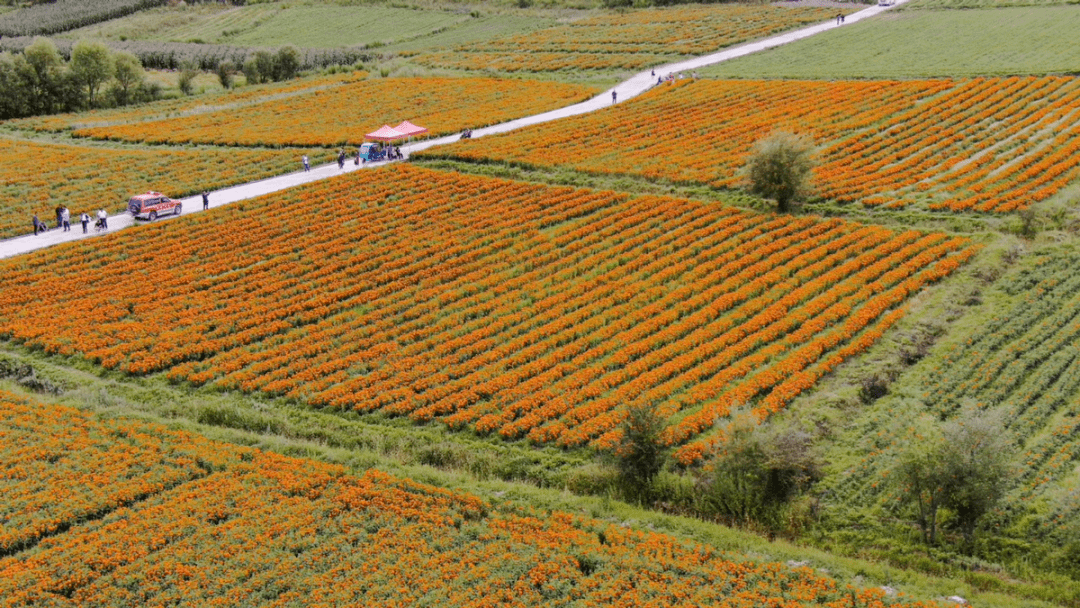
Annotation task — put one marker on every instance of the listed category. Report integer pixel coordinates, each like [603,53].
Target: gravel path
[626,90]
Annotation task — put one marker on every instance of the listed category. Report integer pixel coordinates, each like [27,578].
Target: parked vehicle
[372,152]
[152,204]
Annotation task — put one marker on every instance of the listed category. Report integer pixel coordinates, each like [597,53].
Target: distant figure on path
[304,160]
[38,226]
[103,219]
[205,200]
[59,216]
[65,217]
[341,159]
[613,97]
[842,18]
[838,18]
[85,219]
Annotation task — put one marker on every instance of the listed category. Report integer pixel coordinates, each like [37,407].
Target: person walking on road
[205,200]
[85,221]
[59,216]
[613,94]
[304,160]
[341,159]
[65,216]
[39,227]
[103,219]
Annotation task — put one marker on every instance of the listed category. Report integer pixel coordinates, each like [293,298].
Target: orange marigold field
[258,529]
[515,308]
[629,39]
[985,144]
[341,114]
[198,104]
[37,176]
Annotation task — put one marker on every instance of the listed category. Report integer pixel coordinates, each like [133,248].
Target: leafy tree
[264,61]
[641,453]
[225,71]
[42,73]
[963,467]
[286,63]
[780,168]
[14,100]
[91,65]
[129,75]
[756,470]
[251,71]
[186,81]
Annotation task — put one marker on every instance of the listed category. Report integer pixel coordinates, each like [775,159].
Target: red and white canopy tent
[409,129]
[386,133]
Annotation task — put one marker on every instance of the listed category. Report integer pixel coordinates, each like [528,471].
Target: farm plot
[628,40]
[1022,359]
[985,144]
[167,108]
[264,530]
[926,44]
[510,308]
[341,114]
[36,177]
[276,24]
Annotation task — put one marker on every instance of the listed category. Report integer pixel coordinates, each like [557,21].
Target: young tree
[129,75]
[286,63]
[264,61]
[14,96]
[186,80]
[780,168]
[251,71]
[641,453]
[225,70]
[92,66]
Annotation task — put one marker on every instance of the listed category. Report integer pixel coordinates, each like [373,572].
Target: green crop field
[946,4]
[1036,40]
[277,24]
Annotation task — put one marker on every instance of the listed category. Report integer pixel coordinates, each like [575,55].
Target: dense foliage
[173,55]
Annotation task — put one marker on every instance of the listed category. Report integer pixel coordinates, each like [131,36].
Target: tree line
[39,80]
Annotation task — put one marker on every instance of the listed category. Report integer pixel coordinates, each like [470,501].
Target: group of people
[670,78]
[839,18]
[63,220]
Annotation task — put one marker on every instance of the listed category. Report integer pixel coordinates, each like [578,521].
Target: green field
[926,44]
[947,4]
[277,24]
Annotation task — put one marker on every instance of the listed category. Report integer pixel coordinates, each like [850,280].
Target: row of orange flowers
[985,144]
[514,308]
[635,39]
[259,529]
[344,113]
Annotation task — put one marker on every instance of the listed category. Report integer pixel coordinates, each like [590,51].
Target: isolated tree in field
[92,66]
[129,75]
[962,466]
[780,168]
[642,452]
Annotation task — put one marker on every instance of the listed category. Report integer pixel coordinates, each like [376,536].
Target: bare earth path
[626,90]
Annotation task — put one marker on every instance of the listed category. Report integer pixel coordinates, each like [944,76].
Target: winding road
[626,90]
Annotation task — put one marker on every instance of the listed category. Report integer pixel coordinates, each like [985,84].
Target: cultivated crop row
[507,307]
[63,15]
[627,40]
[344,113]
[259,529]
[987,144]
